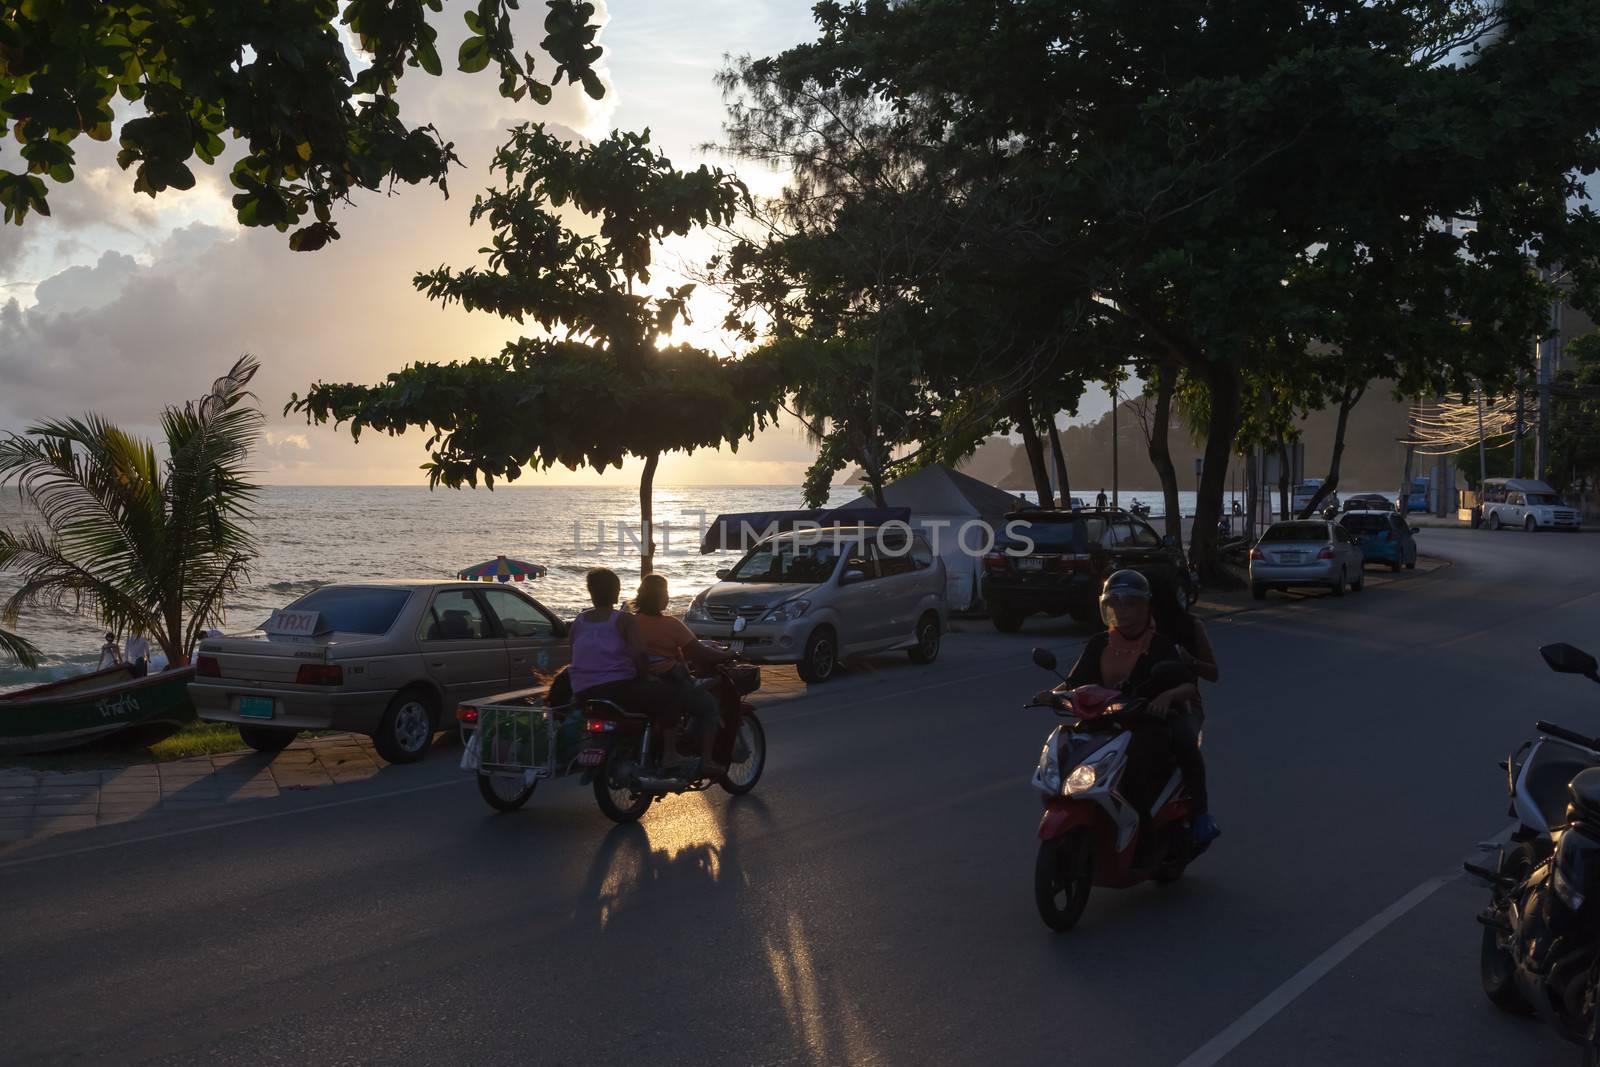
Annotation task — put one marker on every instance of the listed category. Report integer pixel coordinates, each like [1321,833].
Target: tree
[1190,157]
[18,649]
[1575,418]
[179,76]
[606,385]
[149,546]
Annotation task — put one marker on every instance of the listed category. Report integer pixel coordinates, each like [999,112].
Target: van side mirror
[1044,658]
[723,572]
[1564,659]
[852,575]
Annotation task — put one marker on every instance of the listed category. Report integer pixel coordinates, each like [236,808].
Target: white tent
[943,502]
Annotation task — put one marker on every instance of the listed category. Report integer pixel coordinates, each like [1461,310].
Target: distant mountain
[1374,458]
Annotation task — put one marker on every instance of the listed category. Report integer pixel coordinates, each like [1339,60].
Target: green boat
[75,711]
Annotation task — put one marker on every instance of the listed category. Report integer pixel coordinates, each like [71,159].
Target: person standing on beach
[136,653]
[1100,499]
[109,656]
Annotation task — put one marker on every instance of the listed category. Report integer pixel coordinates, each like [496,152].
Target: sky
[120,304]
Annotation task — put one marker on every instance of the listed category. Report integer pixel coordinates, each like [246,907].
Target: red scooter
[1090,834]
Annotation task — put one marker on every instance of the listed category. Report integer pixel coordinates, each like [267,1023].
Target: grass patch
[131,747]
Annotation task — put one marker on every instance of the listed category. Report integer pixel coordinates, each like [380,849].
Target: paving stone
[63,824]
[76,778]
[107,818]
[9,836]
[19,798]
[170,804]
[50,811]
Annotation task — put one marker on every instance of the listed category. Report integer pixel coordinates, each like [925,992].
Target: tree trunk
[1161,453]
[1030,442]
[1352,396]
[1062,485]
[647,480]
[1222,380]
[1283,479]
[1252,493]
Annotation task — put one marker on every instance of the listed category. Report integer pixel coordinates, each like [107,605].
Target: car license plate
[1029,563]
[591,757]
[255,707]
[736,646]
[1293,557]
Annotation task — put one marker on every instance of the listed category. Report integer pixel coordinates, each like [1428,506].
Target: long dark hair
[652,597]
[1166,608]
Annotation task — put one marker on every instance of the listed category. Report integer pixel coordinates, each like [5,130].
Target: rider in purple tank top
[608,656]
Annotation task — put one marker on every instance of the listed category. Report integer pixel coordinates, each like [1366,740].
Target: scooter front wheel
[1496,966]
[1062,878]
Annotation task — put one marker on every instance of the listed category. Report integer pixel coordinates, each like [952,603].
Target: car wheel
[1529,525]
[1337,588]
[1006,619]
[1258,591]
[1411,564]
[926,649]
[1360,583]
[1494,520]
[267,738]
[821,657]
[406,732]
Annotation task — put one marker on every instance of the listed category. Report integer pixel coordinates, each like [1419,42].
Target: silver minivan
[816,597]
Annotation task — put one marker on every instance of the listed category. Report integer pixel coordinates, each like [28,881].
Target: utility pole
[1116,441]
[1549,353]
[1516,437]
[1483,463]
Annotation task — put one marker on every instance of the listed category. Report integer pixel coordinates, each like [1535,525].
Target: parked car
[1305,552]
[1384,537]
[1368,502]
[1525,503]
[1417,498]
[813,598]
[1059,566]
[386,659]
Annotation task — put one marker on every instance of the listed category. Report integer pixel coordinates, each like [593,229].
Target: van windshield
[789,560]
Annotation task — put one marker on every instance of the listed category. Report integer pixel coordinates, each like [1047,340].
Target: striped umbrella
[502,569]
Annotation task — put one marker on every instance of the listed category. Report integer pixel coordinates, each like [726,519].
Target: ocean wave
[297,588]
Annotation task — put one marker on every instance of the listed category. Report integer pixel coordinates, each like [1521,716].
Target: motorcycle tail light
[467,715]
[599,726]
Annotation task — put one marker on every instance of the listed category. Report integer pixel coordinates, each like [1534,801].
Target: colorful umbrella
[501,569]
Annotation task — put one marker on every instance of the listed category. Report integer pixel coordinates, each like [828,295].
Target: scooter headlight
[1577,868]
[1564,889]
[1081,780]
[1048,775]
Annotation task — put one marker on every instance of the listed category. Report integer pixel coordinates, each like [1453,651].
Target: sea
[311,536]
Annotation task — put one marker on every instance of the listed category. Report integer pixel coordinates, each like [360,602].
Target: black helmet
[1126,583]
[1122,585]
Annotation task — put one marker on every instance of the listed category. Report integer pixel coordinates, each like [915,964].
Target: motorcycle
[1140,508]
[1090,835]
[1540,951]
[625,755]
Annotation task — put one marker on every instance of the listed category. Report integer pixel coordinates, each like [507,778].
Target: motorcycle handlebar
[1563,734]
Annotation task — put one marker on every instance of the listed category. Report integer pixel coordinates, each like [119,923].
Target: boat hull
[78,711]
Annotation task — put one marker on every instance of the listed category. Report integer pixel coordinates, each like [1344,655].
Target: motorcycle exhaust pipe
[651,784]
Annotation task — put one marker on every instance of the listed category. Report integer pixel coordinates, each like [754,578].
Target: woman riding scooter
[1134,655]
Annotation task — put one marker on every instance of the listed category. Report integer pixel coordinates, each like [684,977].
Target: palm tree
[148,546]
[18,649]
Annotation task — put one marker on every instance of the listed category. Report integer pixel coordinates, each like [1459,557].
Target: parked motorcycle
[1140,508]
[1089,834]
[1541,938]
[625,757]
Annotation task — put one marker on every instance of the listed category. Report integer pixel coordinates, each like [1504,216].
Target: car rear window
[1365,523]
[1296,531]
[1057,535]
[355,609]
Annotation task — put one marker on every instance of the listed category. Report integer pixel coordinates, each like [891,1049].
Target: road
[870,902]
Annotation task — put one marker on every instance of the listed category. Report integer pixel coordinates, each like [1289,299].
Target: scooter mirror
[1564,659]
[1044,658]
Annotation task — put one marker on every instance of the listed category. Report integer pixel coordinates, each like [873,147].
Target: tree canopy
[314,125]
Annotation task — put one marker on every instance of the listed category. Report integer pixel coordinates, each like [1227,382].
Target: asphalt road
[870,902]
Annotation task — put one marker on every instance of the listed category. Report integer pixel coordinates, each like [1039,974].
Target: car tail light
[1076,562]
[994,561]
[207,667]
[319,674]
[466,715]
[1256,553]
[1326,553]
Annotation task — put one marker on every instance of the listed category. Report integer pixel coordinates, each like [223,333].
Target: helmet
[1122,586]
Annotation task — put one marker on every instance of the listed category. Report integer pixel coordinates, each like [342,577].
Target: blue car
[1384,537]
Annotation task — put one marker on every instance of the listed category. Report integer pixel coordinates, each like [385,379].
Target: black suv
[1070,556]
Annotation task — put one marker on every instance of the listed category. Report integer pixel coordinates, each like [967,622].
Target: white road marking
[1242,1028]
[243,821]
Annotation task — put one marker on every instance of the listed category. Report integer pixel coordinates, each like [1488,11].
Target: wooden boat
[75,711]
